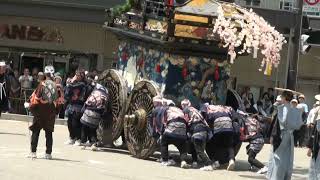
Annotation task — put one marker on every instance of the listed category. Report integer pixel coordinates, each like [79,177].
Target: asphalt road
[72,163]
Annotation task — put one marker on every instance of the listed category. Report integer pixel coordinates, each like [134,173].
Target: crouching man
[220,119]
[172,127]
[252,133]
[200,134]
[43,107]
[92,114]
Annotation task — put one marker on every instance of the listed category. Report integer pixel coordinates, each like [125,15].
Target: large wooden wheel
[117,89]
[139,141]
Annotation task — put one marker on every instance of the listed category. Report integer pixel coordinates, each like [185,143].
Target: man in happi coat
[43,107]
[92,114]
[169,122]
[220,120]
[200,133]
[76,93]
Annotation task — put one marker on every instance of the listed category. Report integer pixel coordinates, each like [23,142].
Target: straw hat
[317,97]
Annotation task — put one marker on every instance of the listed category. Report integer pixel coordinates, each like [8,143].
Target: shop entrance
[31,62]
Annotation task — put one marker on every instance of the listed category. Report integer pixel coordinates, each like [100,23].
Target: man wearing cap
[4,88]
[40,78]
[303,130]
[314,113]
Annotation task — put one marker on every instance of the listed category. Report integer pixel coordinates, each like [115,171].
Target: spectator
[294,103]
[26,80]
[266,104]
[58,81]
[40,77]
[95,74]
[271,95]
[16,73]
[303,130]
[34,73]
[251,99]
[259,108]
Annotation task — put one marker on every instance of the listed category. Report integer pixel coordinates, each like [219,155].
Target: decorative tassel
[216,73]
[268,69]
[184,71]
[124,56]
[255,53]
[158,68]
[140,62]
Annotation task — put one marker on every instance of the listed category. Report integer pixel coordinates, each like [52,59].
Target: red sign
[30,33]
[312,2]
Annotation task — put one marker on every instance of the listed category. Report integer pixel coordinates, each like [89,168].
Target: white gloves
[26,105]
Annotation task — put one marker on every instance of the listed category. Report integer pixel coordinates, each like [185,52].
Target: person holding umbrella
[288,119]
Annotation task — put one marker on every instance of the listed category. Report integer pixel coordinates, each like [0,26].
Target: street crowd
[205,133]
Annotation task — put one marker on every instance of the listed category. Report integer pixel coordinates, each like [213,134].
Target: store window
[286,5]
[253,2]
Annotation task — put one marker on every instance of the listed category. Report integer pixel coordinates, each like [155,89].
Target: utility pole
[294,47]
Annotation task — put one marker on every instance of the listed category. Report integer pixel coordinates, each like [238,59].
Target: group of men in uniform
[211,134]
[85,103]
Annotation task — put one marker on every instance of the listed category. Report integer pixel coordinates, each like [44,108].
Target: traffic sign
[312,2]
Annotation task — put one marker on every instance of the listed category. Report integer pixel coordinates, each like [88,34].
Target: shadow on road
[16,134]
[63,160]
[114,150]
[252,177]
[242,165]
[300,170]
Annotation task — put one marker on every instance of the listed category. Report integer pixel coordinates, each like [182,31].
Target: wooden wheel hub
[140,143]
[138,118]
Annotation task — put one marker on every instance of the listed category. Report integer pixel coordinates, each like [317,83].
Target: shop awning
[90,4]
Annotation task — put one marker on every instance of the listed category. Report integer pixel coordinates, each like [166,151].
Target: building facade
[308,74]
[65,33]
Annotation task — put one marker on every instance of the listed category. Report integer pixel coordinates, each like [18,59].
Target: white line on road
[95,162]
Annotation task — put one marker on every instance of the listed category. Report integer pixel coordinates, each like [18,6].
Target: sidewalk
[25,118]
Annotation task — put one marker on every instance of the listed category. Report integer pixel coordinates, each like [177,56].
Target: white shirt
[26,81]
[313,115]
[304,107]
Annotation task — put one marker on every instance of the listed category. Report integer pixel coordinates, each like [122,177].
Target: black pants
[181,144]
[299,136]
[198,151]
[252,159]
[220,143]
[88,133]
[74,125]
[35,138]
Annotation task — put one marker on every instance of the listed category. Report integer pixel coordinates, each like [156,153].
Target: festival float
[179,49]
